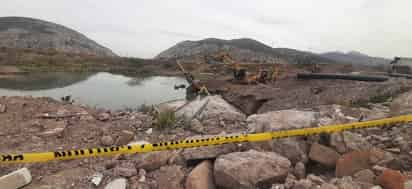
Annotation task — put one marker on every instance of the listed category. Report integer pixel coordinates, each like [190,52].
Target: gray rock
[337,141]
[365,175]
[149,131]
[394,150]
[332,114]
[125,137]
[281,120]
[355,142]
[323,155]
[196,126]
[208,108]
[53,128]
[290,181]
[379,187]
[120,183]
[348,141]
[292,148]
[97,179]
[300,170]
[250,169]
[278,186]
[152,160]
[16,179]
[126,169]
[107,141]
[315,179]
[347,183]
[201,177]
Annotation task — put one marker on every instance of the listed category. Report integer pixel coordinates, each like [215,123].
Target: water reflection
[99,89]
[42,81]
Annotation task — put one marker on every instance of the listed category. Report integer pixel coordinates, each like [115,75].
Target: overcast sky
[143,28]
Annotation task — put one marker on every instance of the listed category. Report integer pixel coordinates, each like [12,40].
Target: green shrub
[166,119]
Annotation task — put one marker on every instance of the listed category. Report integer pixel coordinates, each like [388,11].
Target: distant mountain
[21,32]
[354,57]
[243,49]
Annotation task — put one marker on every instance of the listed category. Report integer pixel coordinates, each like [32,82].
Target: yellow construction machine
[240,74]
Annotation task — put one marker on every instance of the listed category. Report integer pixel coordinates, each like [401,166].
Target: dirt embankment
[289,92]
[42,124]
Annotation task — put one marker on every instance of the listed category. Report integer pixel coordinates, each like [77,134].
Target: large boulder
[281,120]
[16,179]
[348,141]
[251,169]
[323,155]
[207,108]
[119,183]
[350,163]
[292,148]
[201,177]
[334,114]
[391,179]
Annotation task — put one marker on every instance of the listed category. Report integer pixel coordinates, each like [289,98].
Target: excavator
[240,74]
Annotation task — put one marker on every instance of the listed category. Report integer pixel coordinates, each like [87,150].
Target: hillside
[20,32]
[354,57]
[243,49]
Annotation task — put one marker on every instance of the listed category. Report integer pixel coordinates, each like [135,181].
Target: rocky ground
[369,158]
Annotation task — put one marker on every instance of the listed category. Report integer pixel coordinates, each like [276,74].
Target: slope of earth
[30,33]
[289,92]
[244,50]
[348,160]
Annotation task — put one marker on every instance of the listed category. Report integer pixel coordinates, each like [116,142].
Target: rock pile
[368,158]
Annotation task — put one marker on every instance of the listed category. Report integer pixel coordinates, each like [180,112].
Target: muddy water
[103,90]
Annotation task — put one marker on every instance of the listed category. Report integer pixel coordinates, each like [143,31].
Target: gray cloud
[144,28]
[184,36]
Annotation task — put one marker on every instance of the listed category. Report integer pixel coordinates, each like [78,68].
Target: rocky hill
[243,49]
[20,32]
[354,57]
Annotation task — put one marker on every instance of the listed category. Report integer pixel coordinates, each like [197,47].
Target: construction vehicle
[240,74]
[401,66]
[195,88]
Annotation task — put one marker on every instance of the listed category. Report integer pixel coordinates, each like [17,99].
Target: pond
[102,90]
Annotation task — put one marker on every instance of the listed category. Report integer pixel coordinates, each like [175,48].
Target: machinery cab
[401,65]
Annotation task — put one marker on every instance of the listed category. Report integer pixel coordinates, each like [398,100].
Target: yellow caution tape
[190,143]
